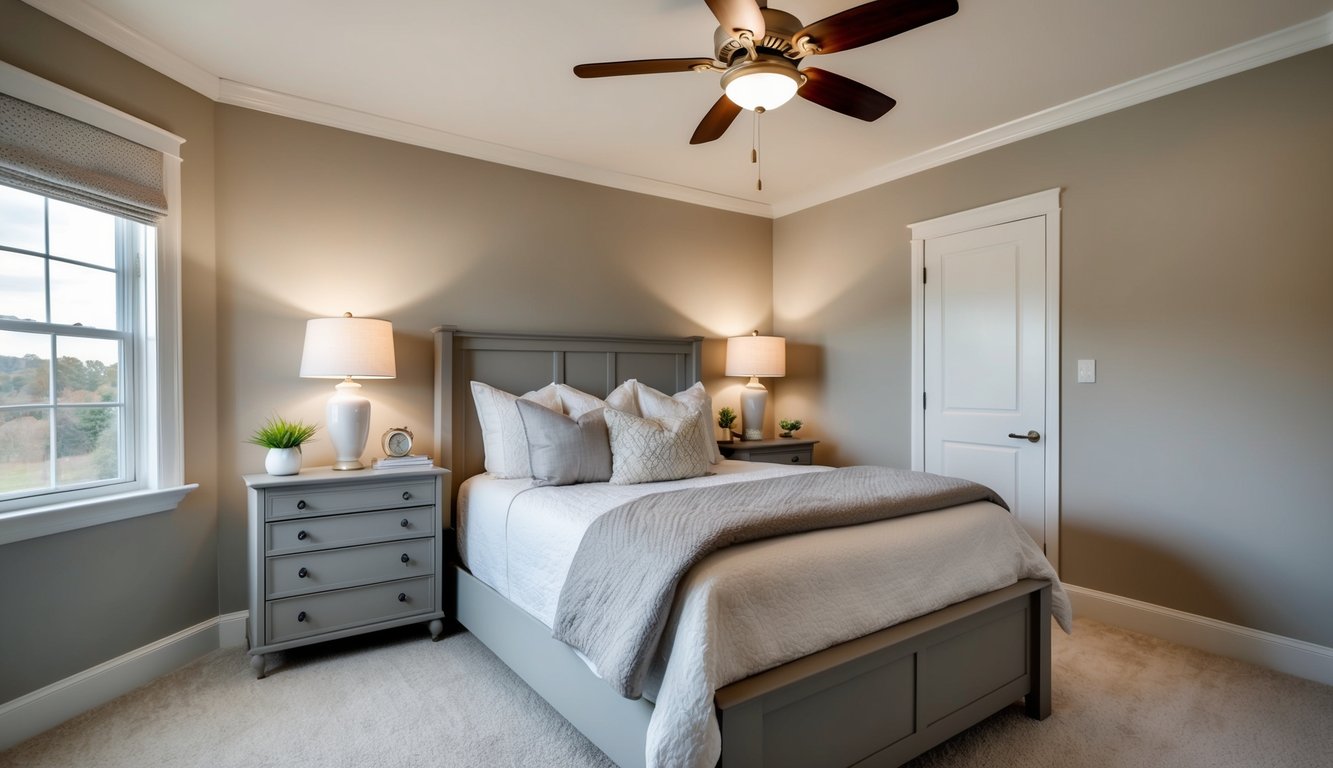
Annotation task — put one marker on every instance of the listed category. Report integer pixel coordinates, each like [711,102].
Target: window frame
[157,411]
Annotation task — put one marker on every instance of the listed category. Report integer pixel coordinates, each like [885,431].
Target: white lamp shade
[757,356]
[348,347]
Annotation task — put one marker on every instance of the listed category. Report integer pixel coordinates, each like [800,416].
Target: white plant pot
[283,461]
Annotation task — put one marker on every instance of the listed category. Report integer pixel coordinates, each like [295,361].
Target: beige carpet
[396,699]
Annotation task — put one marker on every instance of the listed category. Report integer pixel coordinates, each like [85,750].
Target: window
[67,327]
[90,402]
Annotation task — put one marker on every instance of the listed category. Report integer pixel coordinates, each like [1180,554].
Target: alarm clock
[397,441]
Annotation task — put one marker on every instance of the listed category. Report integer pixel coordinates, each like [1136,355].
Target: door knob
[1032,436]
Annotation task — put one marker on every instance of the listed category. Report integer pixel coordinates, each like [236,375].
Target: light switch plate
[1087,371]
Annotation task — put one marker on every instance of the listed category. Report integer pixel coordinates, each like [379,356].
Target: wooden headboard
[521,362]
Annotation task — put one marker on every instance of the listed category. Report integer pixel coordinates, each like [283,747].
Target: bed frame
[879,700]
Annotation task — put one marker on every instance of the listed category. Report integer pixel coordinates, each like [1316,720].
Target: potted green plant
[283,439]
[789,427]
[725,418]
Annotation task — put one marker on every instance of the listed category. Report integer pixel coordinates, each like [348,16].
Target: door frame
[1047,204]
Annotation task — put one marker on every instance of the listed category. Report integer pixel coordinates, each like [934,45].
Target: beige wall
[71,601]
[1198,272]
[315,221]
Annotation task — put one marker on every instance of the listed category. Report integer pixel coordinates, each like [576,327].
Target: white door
[984,356]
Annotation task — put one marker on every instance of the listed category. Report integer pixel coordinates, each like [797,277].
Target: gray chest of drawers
[334,554]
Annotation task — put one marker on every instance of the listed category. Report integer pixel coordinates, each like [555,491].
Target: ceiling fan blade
[844,95]
[873,22]
[738,14]
[640,67]
[716,122]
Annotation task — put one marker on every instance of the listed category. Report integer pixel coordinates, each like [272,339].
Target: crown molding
[1297,39]
[103,28]
[1294,40]
[285,105]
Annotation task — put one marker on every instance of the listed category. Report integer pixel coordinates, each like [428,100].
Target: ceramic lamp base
[348,415]
[754,400]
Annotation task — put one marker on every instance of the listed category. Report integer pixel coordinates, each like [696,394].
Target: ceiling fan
[759,51]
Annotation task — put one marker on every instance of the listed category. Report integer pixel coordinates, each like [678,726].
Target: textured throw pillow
[649,450]
[695,400]
[564,451]
[502,434]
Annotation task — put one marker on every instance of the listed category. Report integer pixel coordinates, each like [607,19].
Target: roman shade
[57,156]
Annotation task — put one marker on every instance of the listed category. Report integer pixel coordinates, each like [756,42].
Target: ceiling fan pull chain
[754,152]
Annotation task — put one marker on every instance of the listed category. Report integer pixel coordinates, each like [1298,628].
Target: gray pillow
[564,451]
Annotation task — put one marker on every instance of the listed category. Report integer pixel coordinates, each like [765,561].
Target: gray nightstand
[781,451]
[334,554]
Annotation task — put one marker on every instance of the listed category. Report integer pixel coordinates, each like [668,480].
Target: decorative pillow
[577,402]
[650,450]
[564,451]
[502,434]
[695,400]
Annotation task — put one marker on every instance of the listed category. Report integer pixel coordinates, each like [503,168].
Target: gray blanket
[617,597]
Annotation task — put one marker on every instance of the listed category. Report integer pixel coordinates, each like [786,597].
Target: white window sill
[69,516]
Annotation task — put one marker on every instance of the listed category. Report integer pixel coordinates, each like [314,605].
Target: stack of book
[401,462]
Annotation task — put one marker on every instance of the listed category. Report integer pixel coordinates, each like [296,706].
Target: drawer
[325,500]
[304,534]
[782,457]
[348,567]
[296,617]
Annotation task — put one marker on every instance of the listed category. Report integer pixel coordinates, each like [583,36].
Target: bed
[878,698]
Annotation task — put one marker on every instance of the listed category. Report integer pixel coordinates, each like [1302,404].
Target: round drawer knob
[300,616]
[405,558]
[796,459]
[404,522]
[300,504]
[402,597]
[301,574]
[301,535]
[406,495]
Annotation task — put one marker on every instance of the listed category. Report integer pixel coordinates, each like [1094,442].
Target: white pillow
[651,450]
[695,400]
[624,398]
[577,402]
[502,434]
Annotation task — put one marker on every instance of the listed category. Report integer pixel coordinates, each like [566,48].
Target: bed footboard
[879,700]
[883,699]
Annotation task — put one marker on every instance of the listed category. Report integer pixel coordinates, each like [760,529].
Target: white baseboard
[231,629]
[48,707]
[1284,654]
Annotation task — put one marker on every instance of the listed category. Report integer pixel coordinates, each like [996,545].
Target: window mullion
[51,431]
[51,413]
[129,437]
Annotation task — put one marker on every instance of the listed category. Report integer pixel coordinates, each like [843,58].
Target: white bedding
[519,539]
[821,588]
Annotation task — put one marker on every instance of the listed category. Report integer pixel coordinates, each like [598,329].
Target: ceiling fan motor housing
[780,27]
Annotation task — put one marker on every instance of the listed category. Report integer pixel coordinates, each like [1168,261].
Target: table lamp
[755,356]
[348,348]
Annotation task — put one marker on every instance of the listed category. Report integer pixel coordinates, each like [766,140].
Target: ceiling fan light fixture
[767,84]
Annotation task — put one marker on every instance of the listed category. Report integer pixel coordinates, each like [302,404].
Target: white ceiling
[470,76]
